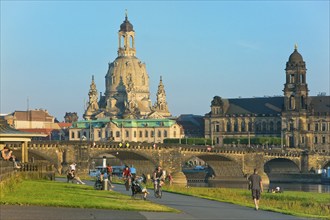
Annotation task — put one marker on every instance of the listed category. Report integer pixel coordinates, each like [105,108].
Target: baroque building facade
[299,120]
[125,111]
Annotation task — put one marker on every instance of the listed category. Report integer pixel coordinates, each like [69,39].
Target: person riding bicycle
[127,175]
[158,175]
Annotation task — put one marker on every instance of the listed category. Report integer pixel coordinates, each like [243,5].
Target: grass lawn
[59,194]
[304,204]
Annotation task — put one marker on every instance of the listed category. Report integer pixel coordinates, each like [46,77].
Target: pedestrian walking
[255,185]
[110,173]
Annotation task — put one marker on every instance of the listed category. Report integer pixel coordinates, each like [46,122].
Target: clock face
[290,86]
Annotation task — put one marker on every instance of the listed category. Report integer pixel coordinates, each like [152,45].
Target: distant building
[300,120]
[126,130]
[36,121]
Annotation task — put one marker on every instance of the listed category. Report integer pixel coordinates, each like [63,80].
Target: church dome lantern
[126,26]
[295,57]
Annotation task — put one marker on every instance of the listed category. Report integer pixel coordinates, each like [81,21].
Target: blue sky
[51,49]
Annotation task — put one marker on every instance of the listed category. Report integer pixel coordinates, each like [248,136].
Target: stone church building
[125,111]
[299,120]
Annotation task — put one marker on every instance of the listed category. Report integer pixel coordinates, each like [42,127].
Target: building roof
[33,115]
[320,104]
[64,124]
[265,105]
[126,123]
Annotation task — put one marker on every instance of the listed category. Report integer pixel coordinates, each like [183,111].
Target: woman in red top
[127,172]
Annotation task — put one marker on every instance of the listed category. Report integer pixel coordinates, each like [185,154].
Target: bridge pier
[179,179]
[171,161]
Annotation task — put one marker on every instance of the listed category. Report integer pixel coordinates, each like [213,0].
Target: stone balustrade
[6,169]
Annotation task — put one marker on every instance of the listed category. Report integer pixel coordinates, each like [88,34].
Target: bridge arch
[222,167]
[281,165]
[143,163]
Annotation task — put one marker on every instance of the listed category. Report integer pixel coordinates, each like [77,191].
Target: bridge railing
[39,170]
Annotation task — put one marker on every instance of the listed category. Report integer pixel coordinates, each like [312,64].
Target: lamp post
[121,131]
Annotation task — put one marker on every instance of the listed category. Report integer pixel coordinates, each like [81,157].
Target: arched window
[217,128]
[113,79]
[291,78]
[271,126]
[302,102]
[72,135]
[264,126]
[131,42]
[228,126]
[165,134]
[235,126]
[122,41]
[243,128]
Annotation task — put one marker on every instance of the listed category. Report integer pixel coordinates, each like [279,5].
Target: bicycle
[127,183]
[157,189]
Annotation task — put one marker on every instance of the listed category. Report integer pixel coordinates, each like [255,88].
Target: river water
[305,187]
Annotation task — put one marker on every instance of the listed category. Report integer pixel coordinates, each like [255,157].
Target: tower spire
[92,105]
[161,105]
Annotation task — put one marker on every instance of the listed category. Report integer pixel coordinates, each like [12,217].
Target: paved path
[192,209]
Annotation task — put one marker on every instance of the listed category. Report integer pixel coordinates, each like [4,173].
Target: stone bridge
[226,162]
